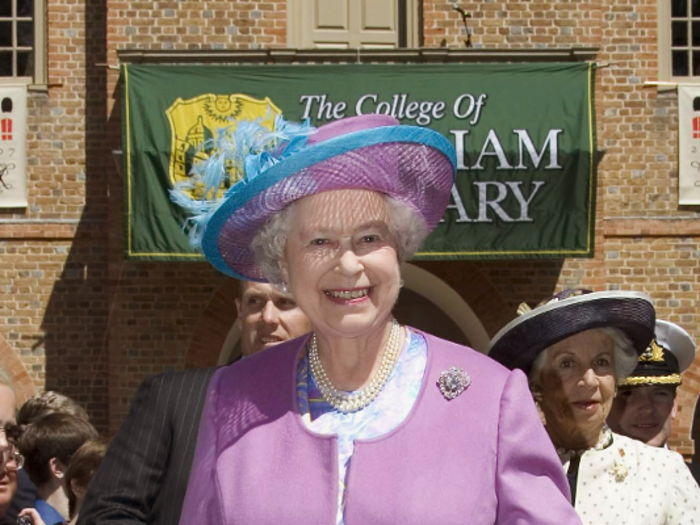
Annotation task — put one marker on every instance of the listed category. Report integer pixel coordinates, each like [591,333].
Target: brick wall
[53,283]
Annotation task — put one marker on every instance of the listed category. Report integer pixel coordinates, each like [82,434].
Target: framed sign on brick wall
[13,146]
[689,144]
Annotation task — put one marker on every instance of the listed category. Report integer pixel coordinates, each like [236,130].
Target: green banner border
[588,252]
[126,166]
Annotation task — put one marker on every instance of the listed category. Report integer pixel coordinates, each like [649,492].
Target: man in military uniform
[645,405]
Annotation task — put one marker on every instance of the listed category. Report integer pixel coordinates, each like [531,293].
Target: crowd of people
[337,413]
[50,452]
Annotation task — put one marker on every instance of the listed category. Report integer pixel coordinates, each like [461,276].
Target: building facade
[79,318]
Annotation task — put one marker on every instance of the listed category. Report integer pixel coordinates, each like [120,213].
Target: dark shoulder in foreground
[183,375]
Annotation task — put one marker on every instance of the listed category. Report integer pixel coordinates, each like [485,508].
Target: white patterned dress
[630,483]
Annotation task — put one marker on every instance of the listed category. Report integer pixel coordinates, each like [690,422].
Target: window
[679,39]
[352,24]
[22,49]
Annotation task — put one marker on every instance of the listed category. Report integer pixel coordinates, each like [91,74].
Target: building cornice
[360,56]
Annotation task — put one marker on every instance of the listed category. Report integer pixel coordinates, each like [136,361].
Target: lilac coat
[481,458]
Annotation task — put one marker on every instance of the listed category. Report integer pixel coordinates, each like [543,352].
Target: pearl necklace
[347,402]
[604,442]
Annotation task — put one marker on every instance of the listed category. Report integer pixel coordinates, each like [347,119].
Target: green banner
[524,135]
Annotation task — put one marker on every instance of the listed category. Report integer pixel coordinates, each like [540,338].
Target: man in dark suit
[143,478]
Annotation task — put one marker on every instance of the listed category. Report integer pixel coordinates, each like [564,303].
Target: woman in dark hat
[364,421]
[575,347]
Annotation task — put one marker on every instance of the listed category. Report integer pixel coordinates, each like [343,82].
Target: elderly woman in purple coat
[363,421]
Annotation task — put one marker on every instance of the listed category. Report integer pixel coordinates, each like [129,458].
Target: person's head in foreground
[49,402]
[574,348]
[81,469]
[645,406]
[329,215]
[267,316]
[48,445]
[11,461]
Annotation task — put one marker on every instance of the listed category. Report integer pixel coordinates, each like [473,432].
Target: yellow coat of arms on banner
[195,121]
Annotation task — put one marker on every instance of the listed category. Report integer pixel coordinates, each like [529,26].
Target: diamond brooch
[453,382]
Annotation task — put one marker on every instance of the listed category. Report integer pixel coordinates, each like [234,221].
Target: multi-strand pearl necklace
[604,442]
[348,402]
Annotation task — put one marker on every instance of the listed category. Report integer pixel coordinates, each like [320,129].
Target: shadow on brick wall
[76,318]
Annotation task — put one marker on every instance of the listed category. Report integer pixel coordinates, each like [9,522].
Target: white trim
[232,338]
[294,12]
[449,301]
[412,20]
[664,83]
[663,43]
[40,47]
[43,221]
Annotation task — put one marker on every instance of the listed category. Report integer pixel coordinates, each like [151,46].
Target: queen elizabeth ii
[364,421]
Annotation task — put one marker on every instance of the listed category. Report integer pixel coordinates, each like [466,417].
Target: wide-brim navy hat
[668,355]
[570,312]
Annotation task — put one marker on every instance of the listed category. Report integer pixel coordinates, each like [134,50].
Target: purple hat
[373,152]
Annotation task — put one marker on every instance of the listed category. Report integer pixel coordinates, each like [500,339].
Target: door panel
[342,24]
[378,15]
[331,14]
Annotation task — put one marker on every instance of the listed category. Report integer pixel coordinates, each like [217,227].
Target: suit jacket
[143,477]
[480,458]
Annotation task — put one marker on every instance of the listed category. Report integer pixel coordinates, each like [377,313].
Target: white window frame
[295,12]
[664,45]
[39,77]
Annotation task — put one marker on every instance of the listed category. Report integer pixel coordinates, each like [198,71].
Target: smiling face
[577,387]
[645,413]
[8,481]
[267,317]
[341,262]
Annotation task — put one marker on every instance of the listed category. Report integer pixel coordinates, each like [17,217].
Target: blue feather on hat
[245,149]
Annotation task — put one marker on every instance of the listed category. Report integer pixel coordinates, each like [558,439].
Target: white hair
[624,357]
[406,224]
